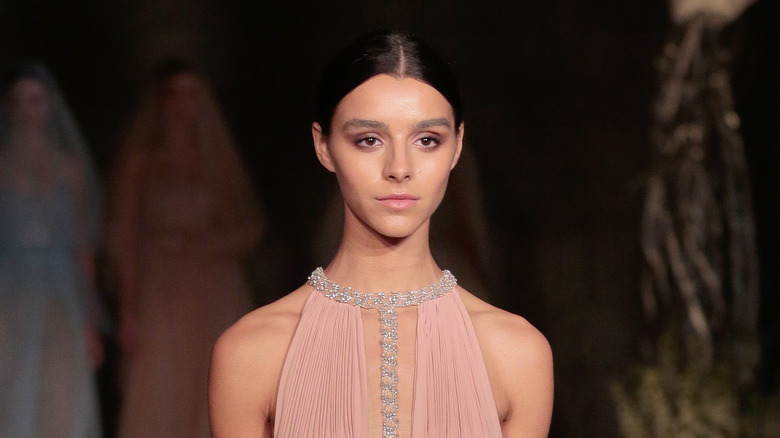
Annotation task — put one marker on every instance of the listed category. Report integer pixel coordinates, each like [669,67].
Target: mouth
[398,201]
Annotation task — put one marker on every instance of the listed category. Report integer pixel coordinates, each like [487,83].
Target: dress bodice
[36,220]
[323,389]
[176,205]
[40,234]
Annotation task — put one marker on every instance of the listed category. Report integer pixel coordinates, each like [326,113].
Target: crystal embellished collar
[386,303]
[381,300]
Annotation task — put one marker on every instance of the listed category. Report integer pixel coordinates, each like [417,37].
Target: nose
[398,164]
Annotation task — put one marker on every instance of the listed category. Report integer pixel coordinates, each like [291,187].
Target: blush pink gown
[322,392]
[191,288]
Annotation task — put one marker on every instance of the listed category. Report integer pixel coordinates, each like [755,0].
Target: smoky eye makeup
[368,141]
[429,141]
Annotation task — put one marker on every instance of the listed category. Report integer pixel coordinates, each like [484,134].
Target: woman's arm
[520,366]
[122,239]
[527,377]
[246,366]
[236,402]
[85,253]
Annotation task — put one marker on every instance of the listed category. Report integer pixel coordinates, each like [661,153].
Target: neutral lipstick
[398,201]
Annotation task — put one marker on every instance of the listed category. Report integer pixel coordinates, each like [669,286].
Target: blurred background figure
[183,214]
[49,341]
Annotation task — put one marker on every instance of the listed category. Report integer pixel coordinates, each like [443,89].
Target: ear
[321,146]
[459,139]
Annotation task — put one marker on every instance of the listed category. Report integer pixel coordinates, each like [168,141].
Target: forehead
[385,97]
[28,86]
[182,82]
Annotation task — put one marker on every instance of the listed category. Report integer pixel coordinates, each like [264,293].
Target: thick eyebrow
[363,123]
[433,122]
[375,124]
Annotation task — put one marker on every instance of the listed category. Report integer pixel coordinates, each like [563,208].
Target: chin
[398,230]
[394,235]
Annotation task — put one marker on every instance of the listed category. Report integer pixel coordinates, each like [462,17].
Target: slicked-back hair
[383,52]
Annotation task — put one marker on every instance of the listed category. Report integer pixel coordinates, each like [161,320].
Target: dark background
[557,96]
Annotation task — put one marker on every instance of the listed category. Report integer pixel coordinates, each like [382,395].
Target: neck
[29,142]
[370,262]
[29,135]
[179,134]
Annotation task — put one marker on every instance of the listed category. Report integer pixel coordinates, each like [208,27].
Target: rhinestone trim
[386,303]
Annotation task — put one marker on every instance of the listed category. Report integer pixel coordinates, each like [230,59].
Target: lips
[398,201]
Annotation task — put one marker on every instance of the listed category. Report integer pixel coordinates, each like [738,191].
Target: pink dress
[322,392]
[191,287]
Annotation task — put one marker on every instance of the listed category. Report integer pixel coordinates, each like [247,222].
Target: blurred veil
[216,145]
[63,132]
[49,224]
[183,216]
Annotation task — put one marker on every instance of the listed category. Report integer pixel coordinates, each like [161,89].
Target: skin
[388,136]
[180,99]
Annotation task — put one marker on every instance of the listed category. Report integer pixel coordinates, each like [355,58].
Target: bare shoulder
[504,333]
[260,339]
[246,366]
[268,321]
[520,366]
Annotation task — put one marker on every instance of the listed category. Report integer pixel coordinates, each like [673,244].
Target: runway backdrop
[557,99]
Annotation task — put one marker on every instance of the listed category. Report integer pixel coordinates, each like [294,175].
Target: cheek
[437,182]
[355,171]
[437,173]
[42,110]
[31,111]
[352,178]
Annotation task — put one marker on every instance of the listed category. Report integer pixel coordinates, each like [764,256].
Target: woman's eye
[428,142]
[368,142]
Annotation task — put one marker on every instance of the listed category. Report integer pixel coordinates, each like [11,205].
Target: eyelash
[435,140]
[361,142]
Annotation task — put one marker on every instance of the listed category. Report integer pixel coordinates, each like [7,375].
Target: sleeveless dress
[46,383]
[323,393]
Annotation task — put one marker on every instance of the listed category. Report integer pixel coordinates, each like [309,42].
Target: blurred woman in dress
[49,342]
[183,215]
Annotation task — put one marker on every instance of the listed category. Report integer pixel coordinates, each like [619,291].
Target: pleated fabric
[452,393]
[322,391]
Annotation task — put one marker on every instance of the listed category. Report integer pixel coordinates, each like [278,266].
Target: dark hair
[169,68]
[26,70]
[174,66]
[383,52]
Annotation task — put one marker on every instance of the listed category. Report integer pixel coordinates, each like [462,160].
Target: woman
[183,216]
[327,361]
[49,341]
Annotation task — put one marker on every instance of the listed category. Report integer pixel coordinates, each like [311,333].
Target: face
[392,146]
[29,104]
[181,97]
